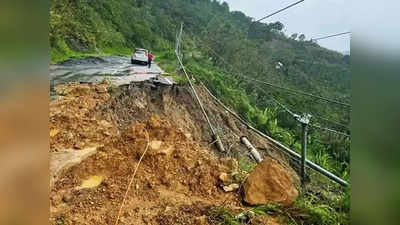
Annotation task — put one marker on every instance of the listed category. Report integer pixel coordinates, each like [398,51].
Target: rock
[201,220]
[231,187]
[160,148]
[64,159]
[101,88]
[53,132]
[188,136]
[225,178]
[91,182]
[67,198]
[155,145]
[167,150]
[270,182]
[154,121]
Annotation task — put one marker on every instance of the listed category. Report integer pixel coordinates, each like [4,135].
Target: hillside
[97,137]
[118,26]
[97,27]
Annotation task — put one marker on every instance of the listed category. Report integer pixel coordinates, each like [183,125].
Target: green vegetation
[307,210]
[245,165]
[81,28]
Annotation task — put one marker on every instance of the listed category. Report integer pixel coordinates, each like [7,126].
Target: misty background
[313,18]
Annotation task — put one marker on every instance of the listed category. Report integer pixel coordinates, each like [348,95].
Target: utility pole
[215,136]
[304,120]
[178,45]
[180,40]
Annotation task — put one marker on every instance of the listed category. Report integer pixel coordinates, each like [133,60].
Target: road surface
[117,69]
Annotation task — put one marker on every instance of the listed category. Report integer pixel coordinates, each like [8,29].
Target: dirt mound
[185,177]
[176,103]
[178,181]
[74,118]
[270,182]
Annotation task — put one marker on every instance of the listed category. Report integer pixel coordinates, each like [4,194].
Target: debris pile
[74,121]
[95,145]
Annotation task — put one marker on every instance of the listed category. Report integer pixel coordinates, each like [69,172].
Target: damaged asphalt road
[117,69]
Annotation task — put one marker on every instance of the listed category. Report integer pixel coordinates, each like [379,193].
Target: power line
[284,107]
[331,121]
[329,36]
[280,146]
[287,150]
[265,17]
[314,115]
[330,130]
[299,92]
[297,116]
[274,85]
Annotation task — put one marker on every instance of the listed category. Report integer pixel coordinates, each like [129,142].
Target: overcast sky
[314,18]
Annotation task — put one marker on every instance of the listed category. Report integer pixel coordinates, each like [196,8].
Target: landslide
[178,179]
[177,104]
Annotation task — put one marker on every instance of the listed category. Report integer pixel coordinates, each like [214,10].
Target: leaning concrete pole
[252,150]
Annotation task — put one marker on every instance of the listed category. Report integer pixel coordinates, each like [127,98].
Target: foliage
[81,28]
[308,209]
[223,216]
[245,164]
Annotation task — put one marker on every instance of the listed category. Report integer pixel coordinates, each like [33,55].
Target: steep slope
[249,51]
[99,132]
[110,26]
[178,179]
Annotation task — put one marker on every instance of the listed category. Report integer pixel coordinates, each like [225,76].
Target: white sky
[314,18]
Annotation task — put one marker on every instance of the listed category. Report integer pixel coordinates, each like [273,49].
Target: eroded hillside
[98,134]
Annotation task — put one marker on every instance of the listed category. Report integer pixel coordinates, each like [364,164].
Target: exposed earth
[98,132]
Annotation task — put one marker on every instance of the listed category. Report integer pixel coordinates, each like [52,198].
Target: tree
[276,26]
[302,37]
[294,36]
[225,7]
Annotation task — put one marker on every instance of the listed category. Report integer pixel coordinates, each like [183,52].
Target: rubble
[96,141]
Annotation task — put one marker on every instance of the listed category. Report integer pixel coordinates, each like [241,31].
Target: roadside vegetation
[84,28]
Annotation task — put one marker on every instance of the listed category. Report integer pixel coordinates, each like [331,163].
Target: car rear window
[140,52]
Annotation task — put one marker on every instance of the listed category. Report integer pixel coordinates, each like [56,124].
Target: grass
[309,209]
[245,164]
[168,62]
[62,52]
[223,216]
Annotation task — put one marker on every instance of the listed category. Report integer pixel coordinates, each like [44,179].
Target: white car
[140,56]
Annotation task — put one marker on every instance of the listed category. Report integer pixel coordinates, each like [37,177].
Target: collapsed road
[116,69]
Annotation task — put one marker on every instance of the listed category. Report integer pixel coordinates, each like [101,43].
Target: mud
[176,103]
[178,179]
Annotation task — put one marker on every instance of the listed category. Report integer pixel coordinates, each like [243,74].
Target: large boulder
[270,182]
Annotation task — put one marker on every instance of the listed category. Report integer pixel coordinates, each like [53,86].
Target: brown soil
[177,104]
[74,121]
[177,181]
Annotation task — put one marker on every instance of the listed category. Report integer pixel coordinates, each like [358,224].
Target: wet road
[117,69]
